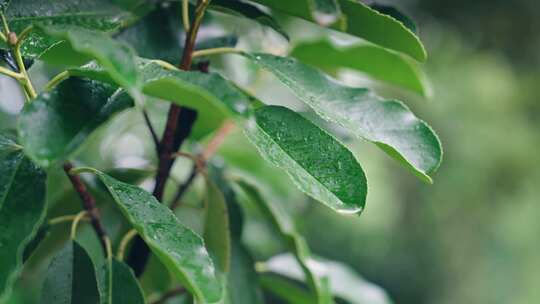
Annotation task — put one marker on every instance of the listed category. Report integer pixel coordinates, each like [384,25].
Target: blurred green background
[472,237]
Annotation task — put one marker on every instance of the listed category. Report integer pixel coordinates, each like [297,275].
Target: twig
[200,161]
[150,128]
[89,204]
[170,294]
[173,136]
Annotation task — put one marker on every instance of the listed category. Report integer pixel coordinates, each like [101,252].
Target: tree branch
[176,131]
[88,202]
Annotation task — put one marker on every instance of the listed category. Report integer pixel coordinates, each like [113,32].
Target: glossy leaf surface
[22,208]
[362,21]
[214,97]
[92,14]
[318,164]
[374,61]
[178,247]
[58,122]
[118,284]
[243,9]
[116,58]
[387,123]
[71,278]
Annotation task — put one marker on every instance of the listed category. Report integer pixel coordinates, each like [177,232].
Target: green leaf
[360,20]
[118,285]
[91,14]
[387,123]
[315,276]
[22,209]
[249,11]
[53,126]
[396,14]
[158,35]
[71,278]
[116,58]
[211,95]
[345,283]
[369,59]
[242,283]
[178,247]
[318,163]
[286,289]
[217,234]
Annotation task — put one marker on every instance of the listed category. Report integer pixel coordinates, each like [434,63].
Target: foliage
[195,243]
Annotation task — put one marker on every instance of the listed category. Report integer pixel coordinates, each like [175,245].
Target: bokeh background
[472,236]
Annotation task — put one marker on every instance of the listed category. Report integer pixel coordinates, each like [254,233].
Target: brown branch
[177,129]
[170,294]
[88,202]
[168,142]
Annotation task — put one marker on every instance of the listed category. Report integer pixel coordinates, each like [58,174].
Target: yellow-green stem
[19,77]
[215,51]
[185,14]
[124,242]
[56,80]
[75,223]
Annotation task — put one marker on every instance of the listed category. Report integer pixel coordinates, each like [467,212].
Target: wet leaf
[71,278]
[275,214]
[387,123]
[98,15]
[374,61]
[214,97]
[22,208]
[243,9]
[362,21]
[179,248]
[317,163]
[117,59]
[53,126]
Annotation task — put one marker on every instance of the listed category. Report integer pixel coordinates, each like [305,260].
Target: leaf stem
[124,242]
[89,203]
[64,219]
[75,223]
[185,14]
[56,80]
[18,76]
[15,44]
[216,51]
